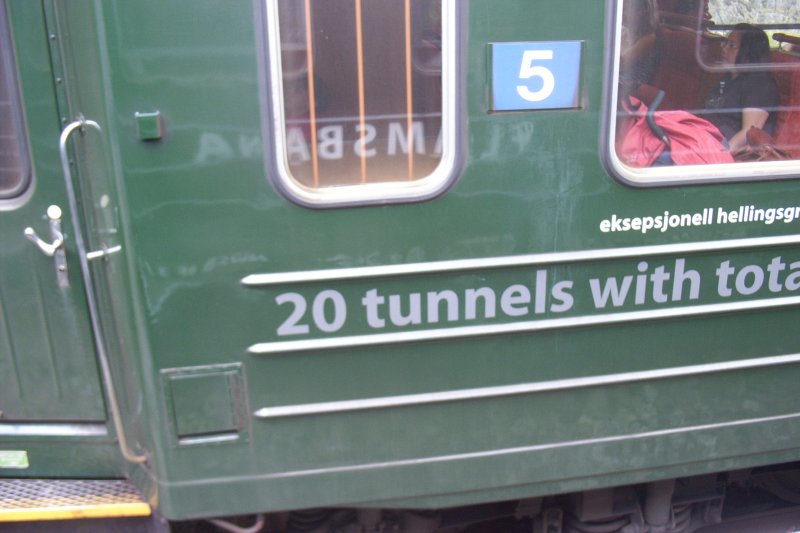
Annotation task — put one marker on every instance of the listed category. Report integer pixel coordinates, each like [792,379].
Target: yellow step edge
[24,500]
[74,513]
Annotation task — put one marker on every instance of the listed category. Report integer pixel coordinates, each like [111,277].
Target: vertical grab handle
[94,313]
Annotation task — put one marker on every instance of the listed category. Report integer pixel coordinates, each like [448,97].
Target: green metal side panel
[605,395]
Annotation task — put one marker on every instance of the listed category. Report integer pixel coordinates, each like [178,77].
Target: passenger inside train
[699,85]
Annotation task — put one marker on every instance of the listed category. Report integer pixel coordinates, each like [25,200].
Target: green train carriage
[392,264]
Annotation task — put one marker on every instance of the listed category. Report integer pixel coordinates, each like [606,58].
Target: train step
[26,500]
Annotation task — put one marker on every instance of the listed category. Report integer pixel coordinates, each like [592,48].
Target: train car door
[48,369]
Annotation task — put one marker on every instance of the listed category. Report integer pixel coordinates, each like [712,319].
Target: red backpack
[690,139]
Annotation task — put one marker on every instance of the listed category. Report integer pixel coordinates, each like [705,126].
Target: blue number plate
[535,75]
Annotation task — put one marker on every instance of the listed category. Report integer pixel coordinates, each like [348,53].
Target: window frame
[12,198]
[667,175]
[431,186]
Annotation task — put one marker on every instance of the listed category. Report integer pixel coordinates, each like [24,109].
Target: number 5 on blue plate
[535,75]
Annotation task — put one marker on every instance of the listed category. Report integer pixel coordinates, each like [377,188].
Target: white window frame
[678,174]
[368,193]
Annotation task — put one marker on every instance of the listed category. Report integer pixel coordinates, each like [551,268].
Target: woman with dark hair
[746,97]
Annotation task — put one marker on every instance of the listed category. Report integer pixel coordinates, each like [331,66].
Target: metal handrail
[94,314]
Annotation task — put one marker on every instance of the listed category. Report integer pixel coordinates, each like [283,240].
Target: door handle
[53,249]
[81,124]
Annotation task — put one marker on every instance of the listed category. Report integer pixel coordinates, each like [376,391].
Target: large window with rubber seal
[705,90]
[362,99]
[15,169]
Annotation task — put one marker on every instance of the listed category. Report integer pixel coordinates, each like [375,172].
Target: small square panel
[149,126]
[206,403]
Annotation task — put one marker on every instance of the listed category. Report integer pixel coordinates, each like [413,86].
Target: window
[15,173]
[768,13]
[710,87]
[363,97]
